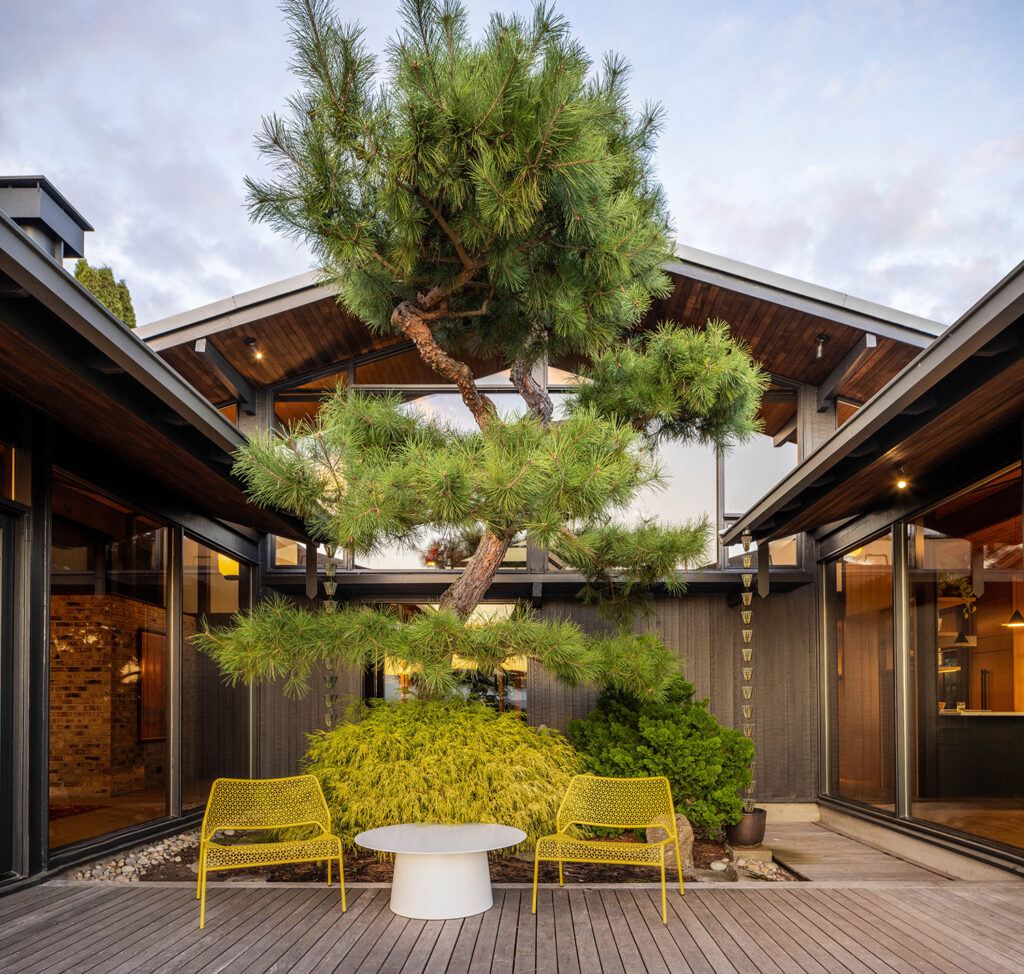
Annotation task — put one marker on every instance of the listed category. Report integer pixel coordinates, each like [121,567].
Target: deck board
[930,928]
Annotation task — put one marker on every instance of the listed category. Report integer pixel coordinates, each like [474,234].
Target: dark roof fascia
[240,309]
[27,182]
[985,320]
[789,292]
[55,289]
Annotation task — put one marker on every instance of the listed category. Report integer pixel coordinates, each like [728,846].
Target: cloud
[876,148]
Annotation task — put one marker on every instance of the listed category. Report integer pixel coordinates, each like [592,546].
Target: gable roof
[966,384]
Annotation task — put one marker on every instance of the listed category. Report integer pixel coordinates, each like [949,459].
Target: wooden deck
[104,928]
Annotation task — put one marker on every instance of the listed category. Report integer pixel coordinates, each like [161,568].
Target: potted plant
[749,830]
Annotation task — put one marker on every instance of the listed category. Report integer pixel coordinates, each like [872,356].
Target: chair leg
[536,866]
[561,882]
[341,879]
[199,876]
[664,905]
[328,872]
[679,866]
[202,888]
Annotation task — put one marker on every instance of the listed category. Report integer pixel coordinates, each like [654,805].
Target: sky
[871,146]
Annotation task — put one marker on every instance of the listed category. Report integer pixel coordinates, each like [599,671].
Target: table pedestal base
[441,887]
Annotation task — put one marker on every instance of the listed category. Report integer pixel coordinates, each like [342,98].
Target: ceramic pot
[749,830]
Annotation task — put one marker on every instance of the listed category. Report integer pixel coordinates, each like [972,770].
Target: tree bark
[408,320]
[465,593]
[533,392]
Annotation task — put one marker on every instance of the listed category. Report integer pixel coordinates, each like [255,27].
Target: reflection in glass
[108,665]
[782,553]
[860,674]
[504,689]
[214,716]
[752,469]
[965,583]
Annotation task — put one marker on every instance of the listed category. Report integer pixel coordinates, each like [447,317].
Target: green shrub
[704,762]
[440,761]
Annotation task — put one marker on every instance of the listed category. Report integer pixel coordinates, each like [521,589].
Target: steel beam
[227,374]
[866,344]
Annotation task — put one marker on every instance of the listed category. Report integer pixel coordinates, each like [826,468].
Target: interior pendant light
[1016,621]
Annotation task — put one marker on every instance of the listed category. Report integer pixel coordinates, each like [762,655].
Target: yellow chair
[619,803]
[271,803]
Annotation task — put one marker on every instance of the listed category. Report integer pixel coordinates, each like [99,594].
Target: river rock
[685,833]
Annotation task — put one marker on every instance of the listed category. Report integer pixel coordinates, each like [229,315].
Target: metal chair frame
[627,803]
[268,803]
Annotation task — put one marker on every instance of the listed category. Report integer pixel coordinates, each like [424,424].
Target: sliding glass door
[859,607]
[967,642]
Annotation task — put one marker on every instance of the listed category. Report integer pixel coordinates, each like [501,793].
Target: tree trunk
[533,392]
[464,594]
[408,319]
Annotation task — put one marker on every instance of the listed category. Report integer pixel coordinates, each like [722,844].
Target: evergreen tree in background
[495,200]
[114,294]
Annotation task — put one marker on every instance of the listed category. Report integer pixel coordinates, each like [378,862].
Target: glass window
[288,553]
[752,469]
[690,491]
[860,674]
[966,594]
[215,717]
[504,689]
[108,665]
[782,553]
[434,548]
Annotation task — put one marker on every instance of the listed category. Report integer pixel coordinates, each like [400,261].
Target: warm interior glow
[1016,621]
[228,567]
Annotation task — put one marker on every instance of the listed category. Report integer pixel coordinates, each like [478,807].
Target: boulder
[685,832]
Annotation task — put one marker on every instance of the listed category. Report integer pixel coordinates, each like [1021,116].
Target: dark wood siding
[704,630]
[284,722]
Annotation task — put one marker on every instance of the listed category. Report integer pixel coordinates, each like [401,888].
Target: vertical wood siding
[284,721]
[704,631]
[700,628]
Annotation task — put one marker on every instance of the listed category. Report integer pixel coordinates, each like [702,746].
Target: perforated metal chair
[270,803]
[620,803]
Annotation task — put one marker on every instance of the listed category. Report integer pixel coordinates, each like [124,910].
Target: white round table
[441,871]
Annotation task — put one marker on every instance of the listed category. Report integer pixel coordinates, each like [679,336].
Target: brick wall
[94,698]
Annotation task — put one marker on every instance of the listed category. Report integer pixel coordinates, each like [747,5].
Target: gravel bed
[127,867]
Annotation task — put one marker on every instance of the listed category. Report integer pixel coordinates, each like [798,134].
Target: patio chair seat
[241,855]
[552,848]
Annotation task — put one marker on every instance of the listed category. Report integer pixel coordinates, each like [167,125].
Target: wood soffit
[313,336]
[967,421]
[128,435]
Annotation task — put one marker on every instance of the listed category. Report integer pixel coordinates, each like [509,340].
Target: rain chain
[746,613]
[330,587]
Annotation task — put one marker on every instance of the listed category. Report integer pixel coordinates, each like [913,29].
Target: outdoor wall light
[257,354]
[820,351]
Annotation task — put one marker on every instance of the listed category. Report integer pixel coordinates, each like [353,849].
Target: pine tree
[112,293]
[493,198]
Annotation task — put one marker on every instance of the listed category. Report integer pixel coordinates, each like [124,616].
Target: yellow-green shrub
[440,761]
